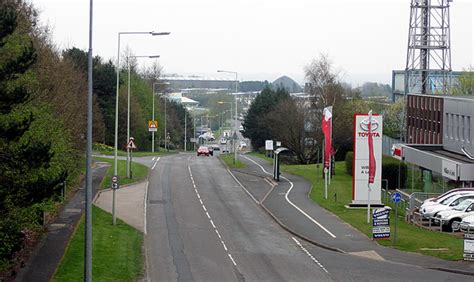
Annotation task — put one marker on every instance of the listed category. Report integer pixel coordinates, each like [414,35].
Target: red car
[203,151]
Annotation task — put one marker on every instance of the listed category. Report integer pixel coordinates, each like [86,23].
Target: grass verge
[116,251]
[109,151]
[139,172]
[409,237]
[262,156]
[229,161]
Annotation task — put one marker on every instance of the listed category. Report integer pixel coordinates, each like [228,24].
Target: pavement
[129,203]
[289,204]
[48,253]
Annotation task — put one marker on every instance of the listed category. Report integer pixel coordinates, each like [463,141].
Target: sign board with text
[381,223]
[361,160]
[469,246]
[269,145]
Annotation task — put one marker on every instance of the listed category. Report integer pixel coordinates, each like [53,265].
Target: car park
[434,200]
[203,151]
[446,204]
[451,219]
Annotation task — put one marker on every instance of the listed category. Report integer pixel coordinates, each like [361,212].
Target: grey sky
[260,39]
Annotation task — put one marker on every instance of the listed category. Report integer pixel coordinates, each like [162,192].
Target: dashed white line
[153,158]
[310,255]
[232,259]
[223,244]
[291,203]
[209,216]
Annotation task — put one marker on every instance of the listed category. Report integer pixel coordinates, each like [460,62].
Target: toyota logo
[364,124]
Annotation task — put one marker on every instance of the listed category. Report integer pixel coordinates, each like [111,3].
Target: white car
[451,219]
[467,224]
[434,200]
[223,141]
[446,204]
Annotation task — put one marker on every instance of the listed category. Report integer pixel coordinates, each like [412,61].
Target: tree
[393,123]
[325,89]
[289,122]
[465,84]
[31,149]
[254,124]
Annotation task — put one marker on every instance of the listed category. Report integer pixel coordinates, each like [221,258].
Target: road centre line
[210,219]
[291,203]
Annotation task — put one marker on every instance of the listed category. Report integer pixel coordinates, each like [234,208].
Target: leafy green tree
[465,83]
[254,124]
[30,148]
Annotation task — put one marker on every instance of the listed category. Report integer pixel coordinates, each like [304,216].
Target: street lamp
[235,123]
[128,108]
[117,105]
[153,115]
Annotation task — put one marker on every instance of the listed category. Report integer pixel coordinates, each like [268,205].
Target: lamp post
[222,102]
[235,122]
[153,114]
[117,105]
[128,108]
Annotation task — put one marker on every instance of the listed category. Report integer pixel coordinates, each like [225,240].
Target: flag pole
[330,155]
[368,179]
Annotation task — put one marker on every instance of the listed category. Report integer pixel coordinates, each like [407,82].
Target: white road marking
[144,208]
[291,203]
[209,216]
[310,255]
[232,259]
[153,158]
[154,165]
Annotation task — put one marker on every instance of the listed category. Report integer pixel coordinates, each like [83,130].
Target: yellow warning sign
[152,125]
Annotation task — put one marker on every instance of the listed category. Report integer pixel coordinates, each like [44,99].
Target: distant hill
[289,84]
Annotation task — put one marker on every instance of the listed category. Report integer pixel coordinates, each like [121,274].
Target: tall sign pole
[88,190]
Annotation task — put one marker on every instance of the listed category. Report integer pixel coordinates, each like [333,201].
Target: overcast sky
[260,39]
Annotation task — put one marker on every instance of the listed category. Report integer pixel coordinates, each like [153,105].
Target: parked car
[467,224]
[225,149]
[242,145]
[216,147]
[203,151]
[223,141]
[446,204]
[434,200]
[451,219]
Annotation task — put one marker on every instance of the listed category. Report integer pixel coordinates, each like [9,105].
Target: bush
[389,170]
[348,160]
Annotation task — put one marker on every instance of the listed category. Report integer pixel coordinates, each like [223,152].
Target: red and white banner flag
[326,126]
[370,139]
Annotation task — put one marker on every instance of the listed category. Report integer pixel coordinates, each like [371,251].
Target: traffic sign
[396,197]
[115,184]
[131,144]
[152,125]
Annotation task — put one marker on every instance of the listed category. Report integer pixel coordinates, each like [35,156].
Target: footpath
[289,204]
[47,255]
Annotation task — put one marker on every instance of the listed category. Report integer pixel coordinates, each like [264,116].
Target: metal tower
[429,53]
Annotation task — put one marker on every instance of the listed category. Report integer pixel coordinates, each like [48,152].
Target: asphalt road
[202,226]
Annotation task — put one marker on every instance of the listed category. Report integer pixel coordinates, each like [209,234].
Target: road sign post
[396,198]
[130,147]
[115,186]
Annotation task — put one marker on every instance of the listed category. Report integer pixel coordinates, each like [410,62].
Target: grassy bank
[229,161]
[109,151]
[139,172]
[116,252]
